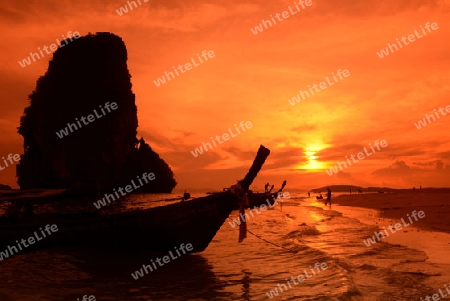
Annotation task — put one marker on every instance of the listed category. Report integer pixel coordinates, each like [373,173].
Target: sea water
[284,242]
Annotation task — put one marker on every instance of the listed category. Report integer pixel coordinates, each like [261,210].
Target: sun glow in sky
[252,77]
[313,162]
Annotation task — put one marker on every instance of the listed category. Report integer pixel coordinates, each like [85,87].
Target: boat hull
[258,199]
[163,228]
[156,229]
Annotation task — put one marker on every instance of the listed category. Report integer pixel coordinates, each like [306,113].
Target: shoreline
[397,205]
[430,234]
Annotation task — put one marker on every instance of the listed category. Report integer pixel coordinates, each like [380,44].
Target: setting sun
[312,160]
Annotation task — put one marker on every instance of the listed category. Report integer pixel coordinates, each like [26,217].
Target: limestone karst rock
[102,154]
[4,187]
[149,160]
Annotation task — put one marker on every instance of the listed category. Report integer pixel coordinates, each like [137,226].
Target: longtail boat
[266,198]
[155,229]
[258,199]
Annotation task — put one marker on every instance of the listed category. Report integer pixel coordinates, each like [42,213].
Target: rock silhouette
[4,187]
[104,154]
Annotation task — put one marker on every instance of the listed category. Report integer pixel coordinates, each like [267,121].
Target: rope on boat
[240,193]
[263,239]
[257,236]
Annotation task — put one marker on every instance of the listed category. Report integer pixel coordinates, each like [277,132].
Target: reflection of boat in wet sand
[156,229]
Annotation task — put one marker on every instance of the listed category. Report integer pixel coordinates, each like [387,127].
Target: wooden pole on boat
[260,158]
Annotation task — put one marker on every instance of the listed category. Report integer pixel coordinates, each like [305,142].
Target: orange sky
[251,79]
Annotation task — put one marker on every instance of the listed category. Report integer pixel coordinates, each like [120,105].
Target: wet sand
[436,206]
[430,234]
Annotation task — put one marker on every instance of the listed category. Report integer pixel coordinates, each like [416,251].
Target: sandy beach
[430,234]
[394,206]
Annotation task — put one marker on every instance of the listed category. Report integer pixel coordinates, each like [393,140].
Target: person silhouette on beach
[328,197]
[266,187]
[309,194]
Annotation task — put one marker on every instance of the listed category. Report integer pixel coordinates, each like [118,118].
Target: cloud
[403,170]
[286,158]
[437,164]
[399,168]
[339,152]
[373,7]
[344,177]
[304,127]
